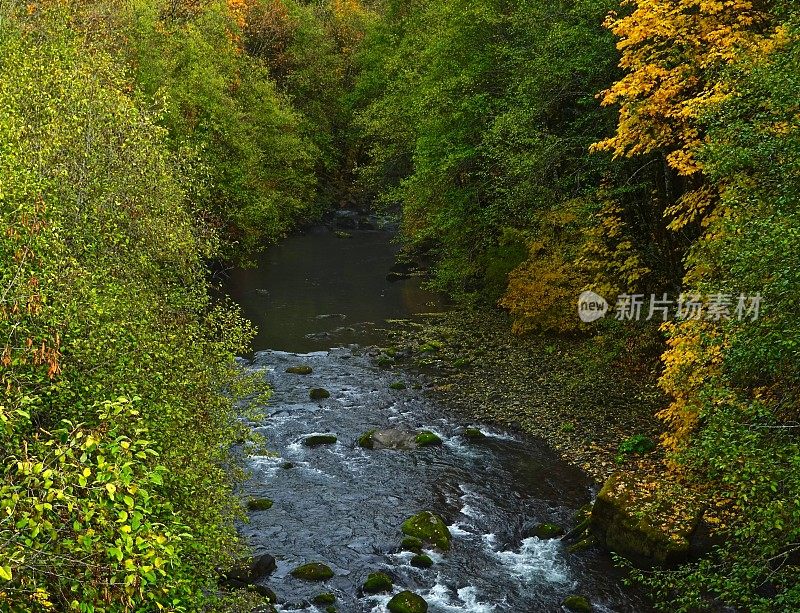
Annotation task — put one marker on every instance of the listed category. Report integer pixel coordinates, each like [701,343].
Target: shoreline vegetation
[536,149]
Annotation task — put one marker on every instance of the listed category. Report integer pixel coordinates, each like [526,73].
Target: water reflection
[317,290]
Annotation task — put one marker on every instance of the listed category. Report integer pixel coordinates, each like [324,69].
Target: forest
[644,150]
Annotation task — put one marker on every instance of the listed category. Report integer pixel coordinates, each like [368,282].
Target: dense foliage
[138,142]
[537,154]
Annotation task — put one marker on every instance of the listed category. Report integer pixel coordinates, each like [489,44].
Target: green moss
[299,370]
[315,440]
[377,583]
[581,545]
[461,363]
[407,602]
[421,560]
[548,531]
[426,438]
[259,504]
[342,234]
[398,385]
[412,543]
[567,427]
[578,604]
[365,440]
[315,571]
[326,598]
[319,394]
[385,360]
[330,609]
[429,528]
[430,347]
[473,433]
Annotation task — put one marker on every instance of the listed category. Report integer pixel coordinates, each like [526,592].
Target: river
[320,301]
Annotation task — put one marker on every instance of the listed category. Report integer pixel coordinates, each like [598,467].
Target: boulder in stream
[259,504]
[316,440]
[421,560]
[426,438]
[249,571]
[429,528]
[377,583]
[577,604]
[299,370]
[547,531]
[412,543]
[388,439]
[319,393]
[407,602]
[314,571]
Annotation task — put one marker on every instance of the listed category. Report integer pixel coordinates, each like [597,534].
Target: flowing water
[344,505]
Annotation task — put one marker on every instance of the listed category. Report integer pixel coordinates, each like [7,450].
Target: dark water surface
[317,290]
[343,505]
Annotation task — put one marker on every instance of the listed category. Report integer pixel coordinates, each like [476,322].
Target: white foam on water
[469,511]
[489,539]
[536,559]
[457,530]
[441,598]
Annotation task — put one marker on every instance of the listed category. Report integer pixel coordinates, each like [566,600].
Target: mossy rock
[287,465]
[421,560]
[259,504]
[461,363]
[315,440]
[377,583]
[431,347]
[548,531]
[314,571]
[385,360]
[429,528]
[365,440]
[299,370]
[398,385]
[330,609]
[473,434]
[426,438]
[407,602]
[578,604]
[581,545]
[326,598]
[319,393]
[625,521]
[412,543]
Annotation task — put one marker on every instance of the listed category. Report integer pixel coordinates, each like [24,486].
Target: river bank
[550,387]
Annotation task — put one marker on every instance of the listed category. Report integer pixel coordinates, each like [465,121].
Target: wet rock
[248,571]
[389,439]
[287,465]
[299,370]
[412,543]
[319,393]
[421,560]
[429,528]
[314,571]
[426,438]
[578,604]
[377,583]
[259,504]
[407,602]
[547,531]
[473,434]
[316,440]
[618,524]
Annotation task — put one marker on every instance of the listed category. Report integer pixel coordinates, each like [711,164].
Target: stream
[321,301]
